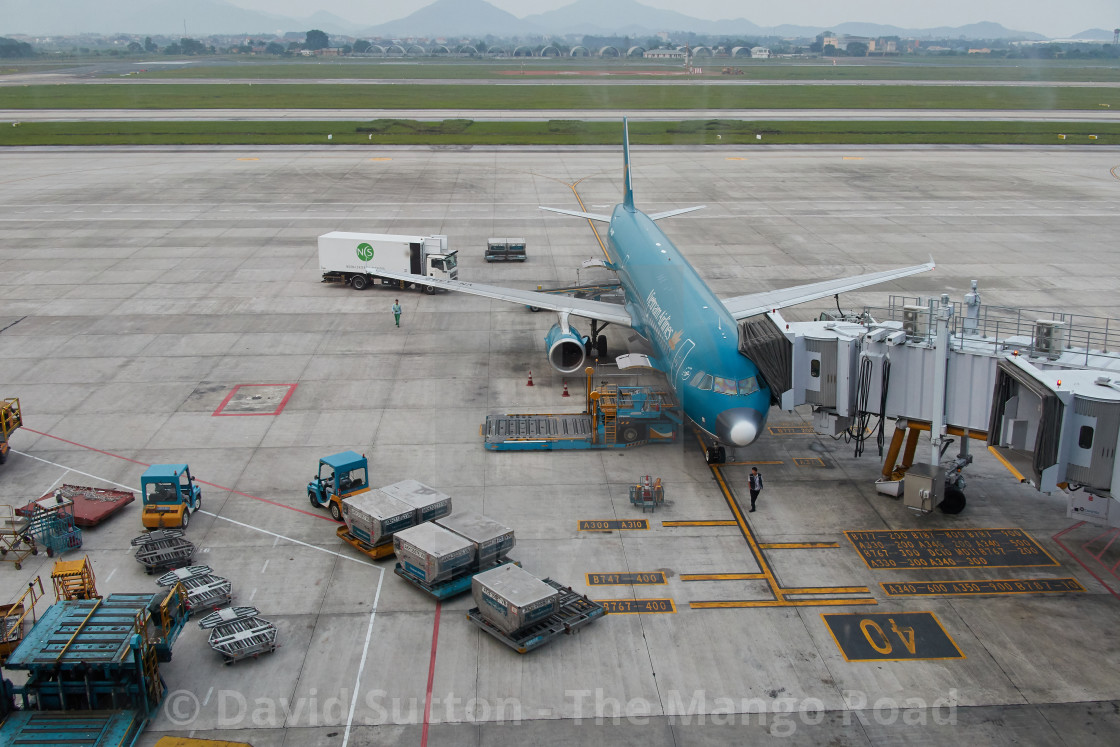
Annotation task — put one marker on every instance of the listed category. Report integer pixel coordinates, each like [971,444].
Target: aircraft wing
[742,307]
[584,307]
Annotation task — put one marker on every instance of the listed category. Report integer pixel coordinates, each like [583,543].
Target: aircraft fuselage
[695,338]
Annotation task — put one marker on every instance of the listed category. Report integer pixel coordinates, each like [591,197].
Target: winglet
[628,189]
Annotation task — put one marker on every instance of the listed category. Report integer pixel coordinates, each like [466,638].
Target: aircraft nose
[739,426]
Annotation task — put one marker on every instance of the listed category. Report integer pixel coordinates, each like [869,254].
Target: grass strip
[462,132]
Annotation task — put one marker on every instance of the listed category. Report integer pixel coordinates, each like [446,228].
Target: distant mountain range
[444,18]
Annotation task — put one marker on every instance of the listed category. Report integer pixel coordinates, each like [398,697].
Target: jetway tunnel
[1046,407]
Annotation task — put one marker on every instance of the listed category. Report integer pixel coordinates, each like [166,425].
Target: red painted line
[201,482]
[83,446]
[279,408]
[1079,561]
[431,677]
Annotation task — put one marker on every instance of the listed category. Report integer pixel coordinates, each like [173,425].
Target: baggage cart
[204,589]
[377,552]
[452,587]
[574,611]
[16,539]
[239,633]
[163,549]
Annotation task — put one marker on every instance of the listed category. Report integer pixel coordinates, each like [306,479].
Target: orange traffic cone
[530,379]
[565,394]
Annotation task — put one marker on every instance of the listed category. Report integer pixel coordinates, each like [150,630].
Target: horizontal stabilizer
[578,214]
[671,213]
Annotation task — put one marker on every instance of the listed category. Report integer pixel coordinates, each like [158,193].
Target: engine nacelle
[567,349]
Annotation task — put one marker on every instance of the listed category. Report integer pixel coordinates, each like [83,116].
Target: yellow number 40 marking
[879,641]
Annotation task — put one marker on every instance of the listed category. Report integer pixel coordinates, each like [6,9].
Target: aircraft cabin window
[1085,437]
[724,386]
[748,385]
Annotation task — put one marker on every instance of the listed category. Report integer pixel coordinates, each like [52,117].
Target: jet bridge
[1041,389]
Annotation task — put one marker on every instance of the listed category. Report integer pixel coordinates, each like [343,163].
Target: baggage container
[428,502]
[431,553]
[511,599]
[373,516]
[492,540]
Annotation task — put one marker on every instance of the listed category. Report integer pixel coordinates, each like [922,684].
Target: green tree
[362,46]
[857,49]
[316,39]
[191,46]
[13,48]
[275,48]
[149,45]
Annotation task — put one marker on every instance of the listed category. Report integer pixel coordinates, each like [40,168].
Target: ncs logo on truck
[365,252]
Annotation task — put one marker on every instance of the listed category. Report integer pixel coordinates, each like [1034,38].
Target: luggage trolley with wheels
[238,633]
[204,589]
[163,549]
[52,523]
[573,611]
[16,540]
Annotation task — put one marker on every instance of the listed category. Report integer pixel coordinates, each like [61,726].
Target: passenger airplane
[693,334]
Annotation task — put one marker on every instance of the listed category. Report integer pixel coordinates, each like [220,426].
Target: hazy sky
[1049,17]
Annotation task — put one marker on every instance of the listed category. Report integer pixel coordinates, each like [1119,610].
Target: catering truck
[354,258]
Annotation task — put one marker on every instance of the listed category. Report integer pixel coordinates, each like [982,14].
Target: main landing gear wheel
[601,347]
[359,282]
[335,513]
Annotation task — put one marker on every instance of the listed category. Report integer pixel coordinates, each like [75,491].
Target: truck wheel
[311,497]
[631,433]
[359,282]
[430,290]
[186,519]
[335,513]
[198,504]
[534,309]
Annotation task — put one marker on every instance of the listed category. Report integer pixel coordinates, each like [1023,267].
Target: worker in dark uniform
[755,482]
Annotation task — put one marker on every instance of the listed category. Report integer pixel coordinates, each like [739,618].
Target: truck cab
[340,476]
[170,496]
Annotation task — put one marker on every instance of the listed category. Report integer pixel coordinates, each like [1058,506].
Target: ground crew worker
[755,482]
[397,311]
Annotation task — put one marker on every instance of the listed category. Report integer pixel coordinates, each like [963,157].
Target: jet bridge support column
[942,317]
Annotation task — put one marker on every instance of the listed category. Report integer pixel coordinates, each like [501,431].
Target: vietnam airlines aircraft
[692,333]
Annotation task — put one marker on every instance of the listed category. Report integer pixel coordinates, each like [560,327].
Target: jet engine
[567,349]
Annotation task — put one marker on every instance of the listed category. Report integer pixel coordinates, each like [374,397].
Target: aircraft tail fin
[628,189]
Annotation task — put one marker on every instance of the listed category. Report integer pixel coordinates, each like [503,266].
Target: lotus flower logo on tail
[365,252]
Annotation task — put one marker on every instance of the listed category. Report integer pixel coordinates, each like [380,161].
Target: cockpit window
[724,386]
[702,381]
[748,385]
